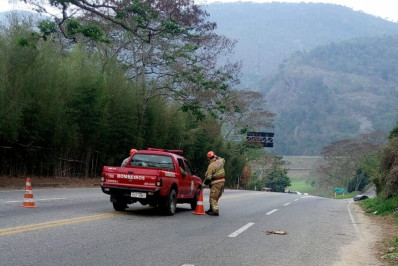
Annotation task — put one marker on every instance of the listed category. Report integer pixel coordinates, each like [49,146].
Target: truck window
[188,168]
[152,161]
[181,164]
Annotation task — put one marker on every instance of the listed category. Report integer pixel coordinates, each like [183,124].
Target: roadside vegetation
[385,207]
[346,196]
[381,206]
[79,91]
[302,186]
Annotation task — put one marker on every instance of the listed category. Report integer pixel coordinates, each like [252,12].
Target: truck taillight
[159,181]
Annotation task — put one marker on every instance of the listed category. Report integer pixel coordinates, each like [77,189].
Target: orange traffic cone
[28,198]
[199,205]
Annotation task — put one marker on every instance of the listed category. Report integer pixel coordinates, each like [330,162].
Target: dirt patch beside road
[375,234]
[7,182]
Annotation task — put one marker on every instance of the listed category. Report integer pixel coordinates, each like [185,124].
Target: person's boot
[209,210]
[212,213]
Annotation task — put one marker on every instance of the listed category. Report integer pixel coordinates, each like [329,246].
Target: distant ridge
[334,92]
[268,33]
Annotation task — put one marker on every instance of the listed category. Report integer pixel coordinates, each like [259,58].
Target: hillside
[268,33]
[334,92]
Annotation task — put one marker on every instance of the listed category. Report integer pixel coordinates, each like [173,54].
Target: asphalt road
[80,227]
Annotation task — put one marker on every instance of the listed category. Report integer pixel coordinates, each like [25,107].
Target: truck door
[191,189]
[184,187]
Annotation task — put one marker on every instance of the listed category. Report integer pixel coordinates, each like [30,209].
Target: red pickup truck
[160,178]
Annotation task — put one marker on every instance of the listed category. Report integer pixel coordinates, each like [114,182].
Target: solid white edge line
[354,223]
[271,212]
[240,230]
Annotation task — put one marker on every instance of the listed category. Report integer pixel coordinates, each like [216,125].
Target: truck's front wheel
[119,205]
[194,201]
[171,203]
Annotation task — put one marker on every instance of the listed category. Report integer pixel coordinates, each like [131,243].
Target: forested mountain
[335,92]
[88,96]
[268,33]
[327,71]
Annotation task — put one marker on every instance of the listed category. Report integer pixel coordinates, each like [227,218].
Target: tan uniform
[216,175]
[124,163]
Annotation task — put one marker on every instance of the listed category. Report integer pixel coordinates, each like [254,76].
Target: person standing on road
[215,178]
[132,151]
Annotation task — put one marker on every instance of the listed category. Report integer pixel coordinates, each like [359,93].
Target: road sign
[266,139]
[339,190]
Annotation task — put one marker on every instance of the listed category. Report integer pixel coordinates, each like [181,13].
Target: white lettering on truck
[134,177]
[170,174]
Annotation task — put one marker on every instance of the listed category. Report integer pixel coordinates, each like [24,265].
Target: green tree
[343,158]
[68,110]
[371,166]
[277,179]
[359,182]
[268,172]
[168,48]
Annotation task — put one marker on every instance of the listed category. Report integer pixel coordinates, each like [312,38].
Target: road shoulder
[371,242]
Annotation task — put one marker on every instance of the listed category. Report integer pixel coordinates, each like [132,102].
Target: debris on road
[278,232]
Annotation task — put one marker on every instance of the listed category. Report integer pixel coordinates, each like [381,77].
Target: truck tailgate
[130,177]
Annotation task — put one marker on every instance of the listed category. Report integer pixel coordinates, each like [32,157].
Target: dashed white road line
[240,230]
[288,203]
[271,212]
[296,199]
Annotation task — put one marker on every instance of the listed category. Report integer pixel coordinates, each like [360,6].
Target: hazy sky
[386,9]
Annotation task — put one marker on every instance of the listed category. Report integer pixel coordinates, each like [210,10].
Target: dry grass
[389,232]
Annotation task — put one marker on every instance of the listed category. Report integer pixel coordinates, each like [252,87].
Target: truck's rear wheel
[194,201]
[119,205]
[171,203]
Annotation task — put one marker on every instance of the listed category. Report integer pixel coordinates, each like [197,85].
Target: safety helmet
[132,151]
[211,154]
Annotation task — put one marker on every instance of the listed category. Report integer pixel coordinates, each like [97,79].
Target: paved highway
[80,227]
